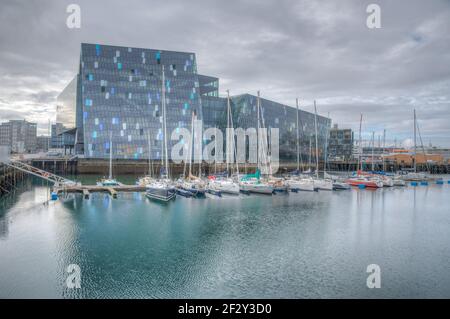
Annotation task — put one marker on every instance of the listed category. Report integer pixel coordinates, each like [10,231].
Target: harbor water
[297,245]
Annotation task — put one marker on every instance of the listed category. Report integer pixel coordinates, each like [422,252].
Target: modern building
[55,135]
[445,152]
[19,135]
[42,143]
[340,144]
[117,93]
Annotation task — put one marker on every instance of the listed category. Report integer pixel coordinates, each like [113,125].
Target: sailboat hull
[300,185]
[257,188]
[323,184]
[225,187]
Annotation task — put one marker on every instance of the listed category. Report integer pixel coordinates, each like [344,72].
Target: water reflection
[296,245]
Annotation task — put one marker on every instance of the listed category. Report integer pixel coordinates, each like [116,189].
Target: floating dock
[86,190]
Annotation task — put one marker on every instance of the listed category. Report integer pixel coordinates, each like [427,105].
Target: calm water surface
[305,245]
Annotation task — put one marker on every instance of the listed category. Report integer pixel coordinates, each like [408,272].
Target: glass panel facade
[118,92]
[121,94]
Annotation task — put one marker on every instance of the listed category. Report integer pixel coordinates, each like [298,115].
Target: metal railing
[57,180]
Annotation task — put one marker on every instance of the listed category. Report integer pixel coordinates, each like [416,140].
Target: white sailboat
[226,184]
[298,183]
[414,175]
[191,185]
[110,181]
[320,183]
[147,179]
[162,189]
[252,183]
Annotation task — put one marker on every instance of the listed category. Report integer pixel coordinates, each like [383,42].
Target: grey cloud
[287,49]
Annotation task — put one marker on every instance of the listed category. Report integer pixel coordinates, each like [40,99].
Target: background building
[408,158]
[19,135]
[42,143]
[340,144]
[117,92]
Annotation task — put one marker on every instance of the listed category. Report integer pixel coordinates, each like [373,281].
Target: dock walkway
[86,190]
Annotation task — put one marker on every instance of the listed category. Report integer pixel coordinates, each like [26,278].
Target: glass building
[117,92]
[340,144]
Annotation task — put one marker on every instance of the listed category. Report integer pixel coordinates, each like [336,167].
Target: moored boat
[301,184]
[370,183]
[323,184]
[256,186]
[160,190]
[226,185]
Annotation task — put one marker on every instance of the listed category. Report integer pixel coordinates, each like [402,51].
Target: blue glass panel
[98,49]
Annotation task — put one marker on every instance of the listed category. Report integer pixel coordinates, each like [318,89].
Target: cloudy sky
[319,50]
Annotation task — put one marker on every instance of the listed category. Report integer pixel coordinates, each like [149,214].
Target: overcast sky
[319,50]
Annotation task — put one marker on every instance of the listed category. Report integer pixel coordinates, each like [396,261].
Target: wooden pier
[86,190]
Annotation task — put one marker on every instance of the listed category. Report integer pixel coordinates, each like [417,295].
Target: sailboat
[110,181]
[295,182]
[338,182]
[320,183]
[191,185]
[147,179]
[225,184]
[414,175]
[360,178]
[251,183]
[162,189]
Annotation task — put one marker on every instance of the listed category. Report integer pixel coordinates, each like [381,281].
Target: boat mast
[110,155]
[191,144]
[373,145]
[325,153]
[360,144]
[421,145]
[232,135]
[384,149]
[166,160]
[310,152]
[298,146]
[150,164]
[257,132]
[200,162]
[317,147]
[228,126]
[415,147]
[215,151]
